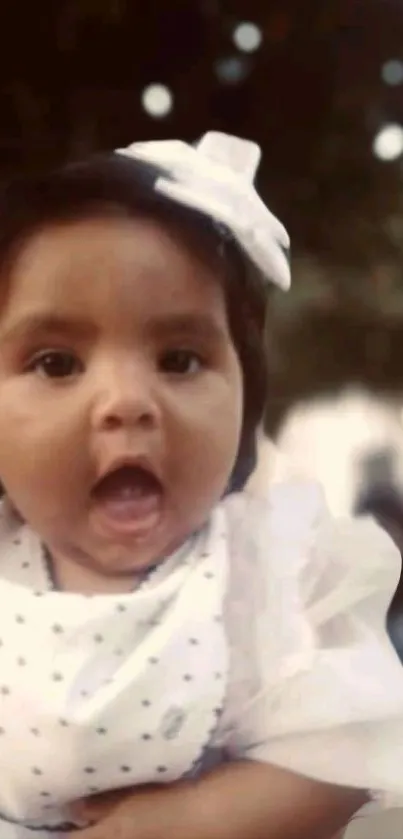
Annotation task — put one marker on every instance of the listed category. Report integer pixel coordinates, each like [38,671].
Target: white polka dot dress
[264,637]
[104,692]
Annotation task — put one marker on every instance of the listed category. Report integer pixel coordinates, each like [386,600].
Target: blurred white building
[350,442]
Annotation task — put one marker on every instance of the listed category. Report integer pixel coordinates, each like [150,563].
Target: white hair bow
[216,177]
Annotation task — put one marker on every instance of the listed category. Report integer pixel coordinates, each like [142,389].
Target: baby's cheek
[205,459]
[216,400]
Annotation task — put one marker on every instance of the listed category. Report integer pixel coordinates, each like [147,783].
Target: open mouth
[128,496]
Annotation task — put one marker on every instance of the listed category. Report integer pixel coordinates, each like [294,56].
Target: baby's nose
[125,401]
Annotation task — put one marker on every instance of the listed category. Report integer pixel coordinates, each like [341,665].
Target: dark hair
[111,184]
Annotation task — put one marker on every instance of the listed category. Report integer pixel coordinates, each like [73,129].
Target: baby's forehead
[117,270]
[138,236]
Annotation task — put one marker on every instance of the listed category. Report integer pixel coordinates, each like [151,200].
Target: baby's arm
[259,801]
[241,800]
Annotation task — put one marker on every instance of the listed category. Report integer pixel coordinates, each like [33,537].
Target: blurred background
[319,85]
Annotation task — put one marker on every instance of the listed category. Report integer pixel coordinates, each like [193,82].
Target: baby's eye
[55,364]
[181,362]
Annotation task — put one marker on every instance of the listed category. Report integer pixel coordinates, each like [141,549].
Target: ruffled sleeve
[316,686]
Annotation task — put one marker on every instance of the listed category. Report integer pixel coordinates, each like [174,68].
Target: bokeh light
[157,100]
[392,72]
[247,37]
[231,70]
[388,143]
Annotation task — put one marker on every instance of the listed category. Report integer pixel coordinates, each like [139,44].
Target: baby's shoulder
[290,536]
[288,511]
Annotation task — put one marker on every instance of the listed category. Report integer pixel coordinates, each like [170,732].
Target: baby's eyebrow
[200,326]
[34,324]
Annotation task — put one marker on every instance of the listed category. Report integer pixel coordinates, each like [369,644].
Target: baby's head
[132,372]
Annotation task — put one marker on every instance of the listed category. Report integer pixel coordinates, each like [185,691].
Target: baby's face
[120,392]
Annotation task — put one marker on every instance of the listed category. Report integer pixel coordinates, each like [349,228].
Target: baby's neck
[71,577]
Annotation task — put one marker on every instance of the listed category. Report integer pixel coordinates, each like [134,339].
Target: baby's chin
[102,572]
[135,558]
[102,560]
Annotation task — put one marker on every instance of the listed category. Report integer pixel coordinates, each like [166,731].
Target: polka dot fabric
[108,691]
[264,638]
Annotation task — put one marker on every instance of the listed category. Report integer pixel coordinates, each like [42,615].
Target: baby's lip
[140,465]
[128,498]
[140,462]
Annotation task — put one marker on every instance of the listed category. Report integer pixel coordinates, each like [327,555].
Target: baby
[158,627]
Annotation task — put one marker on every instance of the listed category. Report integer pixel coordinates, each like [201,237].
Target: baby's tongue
[128,493]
